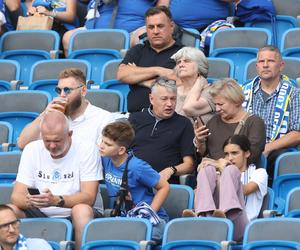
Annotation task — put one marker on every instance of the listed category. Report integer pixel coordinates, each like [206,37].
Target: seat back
[272,229]
[188,39]
[117,228]
[111,244]
[287,163]
[6,133]
[268,202]
[109,70]
[50,229]
[46,40]
[9,70]
[272,244]
[290,42]
[9,162]
[24,101]
[219,68]
[179,198]
[292,201]
[200,228]
[110,100]
[50,69]
[287,7]
[291,68]
[5,192]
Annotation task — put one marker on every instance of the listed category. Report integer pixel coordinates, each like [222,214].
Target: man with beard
[86,120]
[65,172]
[10,237]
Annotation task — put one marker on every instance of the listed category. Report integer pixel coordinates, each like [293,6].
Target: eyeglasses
[14,224]
[66,90]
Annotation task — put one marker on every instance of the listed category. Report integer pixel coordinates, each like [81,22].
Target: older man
[10,237]
[65,171]
[86,120]
[144,62]
[273,98]
[164,138]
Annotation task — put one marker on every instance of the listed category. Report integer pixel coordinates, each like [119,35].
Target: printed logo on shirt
[114,180]
[56,176]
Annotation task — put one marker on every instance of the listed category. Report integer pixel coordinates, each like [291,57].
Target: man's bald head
[55,121]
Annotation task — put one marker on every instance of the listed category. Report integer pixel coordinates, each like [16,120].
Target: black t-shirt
[143,55]
[162,143]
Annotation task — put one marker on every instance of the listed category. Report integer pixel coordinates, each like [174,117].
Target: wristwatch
[174,170]
[61,201]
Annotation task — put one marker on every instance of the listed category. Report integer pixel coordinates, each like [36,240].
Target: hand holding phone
[33,191]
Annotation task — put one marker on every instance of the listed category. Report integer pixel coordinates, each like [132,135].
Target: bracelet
[174,170]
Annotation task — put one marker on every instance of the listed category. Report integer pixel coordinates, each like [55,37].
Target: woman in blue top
[142,178]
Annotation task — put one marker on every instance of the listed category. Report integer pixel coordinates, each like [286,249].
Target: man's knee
[82,212]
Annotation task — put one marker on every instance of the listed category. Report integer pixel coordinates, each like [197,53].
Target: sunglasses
[66,90]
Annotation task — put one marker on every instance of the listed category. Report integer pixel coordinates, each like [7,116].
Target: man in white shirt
[86,120]
[10,237]
[65,170]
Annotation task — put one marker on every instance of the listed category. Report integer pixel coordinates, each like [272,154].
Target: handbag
[35,22]
[122,203]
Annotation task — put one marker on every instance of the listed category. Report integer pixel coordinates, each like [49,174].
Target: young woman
[229,187]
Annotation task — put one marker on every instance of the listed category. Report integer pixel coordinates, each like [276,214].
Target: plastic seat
[270,229]
[283,23]
[117,229]
[189,40]
[98,46]
[54,230]
[6,136]
[44,74]
[111,244]
[192,244]
[240,45]
[9,164]
[28,47]
[5,192]
[179,198]
[219,68]
[287,7]
[291,69]
[109,70]
[272,245]
[9,74]
[108,99]
[292,206]
[209,229]
[290,43]
[268,202]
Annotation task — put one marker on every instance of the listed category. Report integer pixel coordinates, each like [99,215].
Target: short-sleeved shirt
[143,55]
[62,176]
[142,178]
[162,143]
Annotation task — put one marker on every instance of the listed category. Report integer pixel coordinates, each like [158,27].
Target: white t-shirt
[254,200]
[62,176]
[89,125]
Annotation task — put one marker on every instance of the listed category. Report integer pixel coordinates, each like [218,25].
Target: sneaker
[188,213]
[219,214]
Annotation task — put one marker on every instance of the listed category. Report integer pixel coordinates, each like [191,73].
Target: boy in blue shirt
[142,178]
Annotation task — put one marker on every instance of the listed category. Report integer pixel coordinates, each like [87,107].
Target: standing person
[164,139]
[64,170]
[273,98]
[144,62]
[191,70]
[230,118]
[86,120]
[230,187]
[10,236]
[142,178]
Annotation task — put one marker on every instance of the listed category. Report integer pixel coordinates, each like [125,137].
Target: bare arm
[289,140]
[250,188]
[19,196]
[161,195]
[13,5]
[195,104]
[163,2]
[132,74]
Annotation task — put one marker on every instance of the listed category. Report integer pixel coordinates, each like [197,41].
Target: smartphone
[33,191]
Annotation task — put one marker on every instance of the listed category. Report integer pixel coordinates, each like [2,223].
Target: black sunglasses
[66,90]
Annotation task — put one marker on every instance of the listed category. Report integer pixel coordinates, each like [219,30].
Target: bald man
[66,172]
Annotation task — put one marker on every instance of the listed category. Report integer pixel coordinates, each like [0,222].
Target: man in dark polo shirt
[144,62]
[163,138]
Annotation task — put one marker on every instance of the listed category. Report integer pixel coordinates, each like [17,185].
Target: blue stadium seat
[290,43]
[292,205]
[6,135]
[9,74]
[219,68]
[272,245]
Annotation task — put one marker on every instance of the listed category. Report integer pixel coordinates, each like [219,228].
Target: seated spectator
[144,62]
[129,15]
[191,70]
[230,119]
[64,170]
[10,236]
[9,13]
[230,187]
[163,137]
[142,178]
[63,12]
[273,98]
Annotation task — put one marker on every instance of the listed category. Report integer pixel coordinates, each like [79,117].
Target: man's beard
[73,106]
